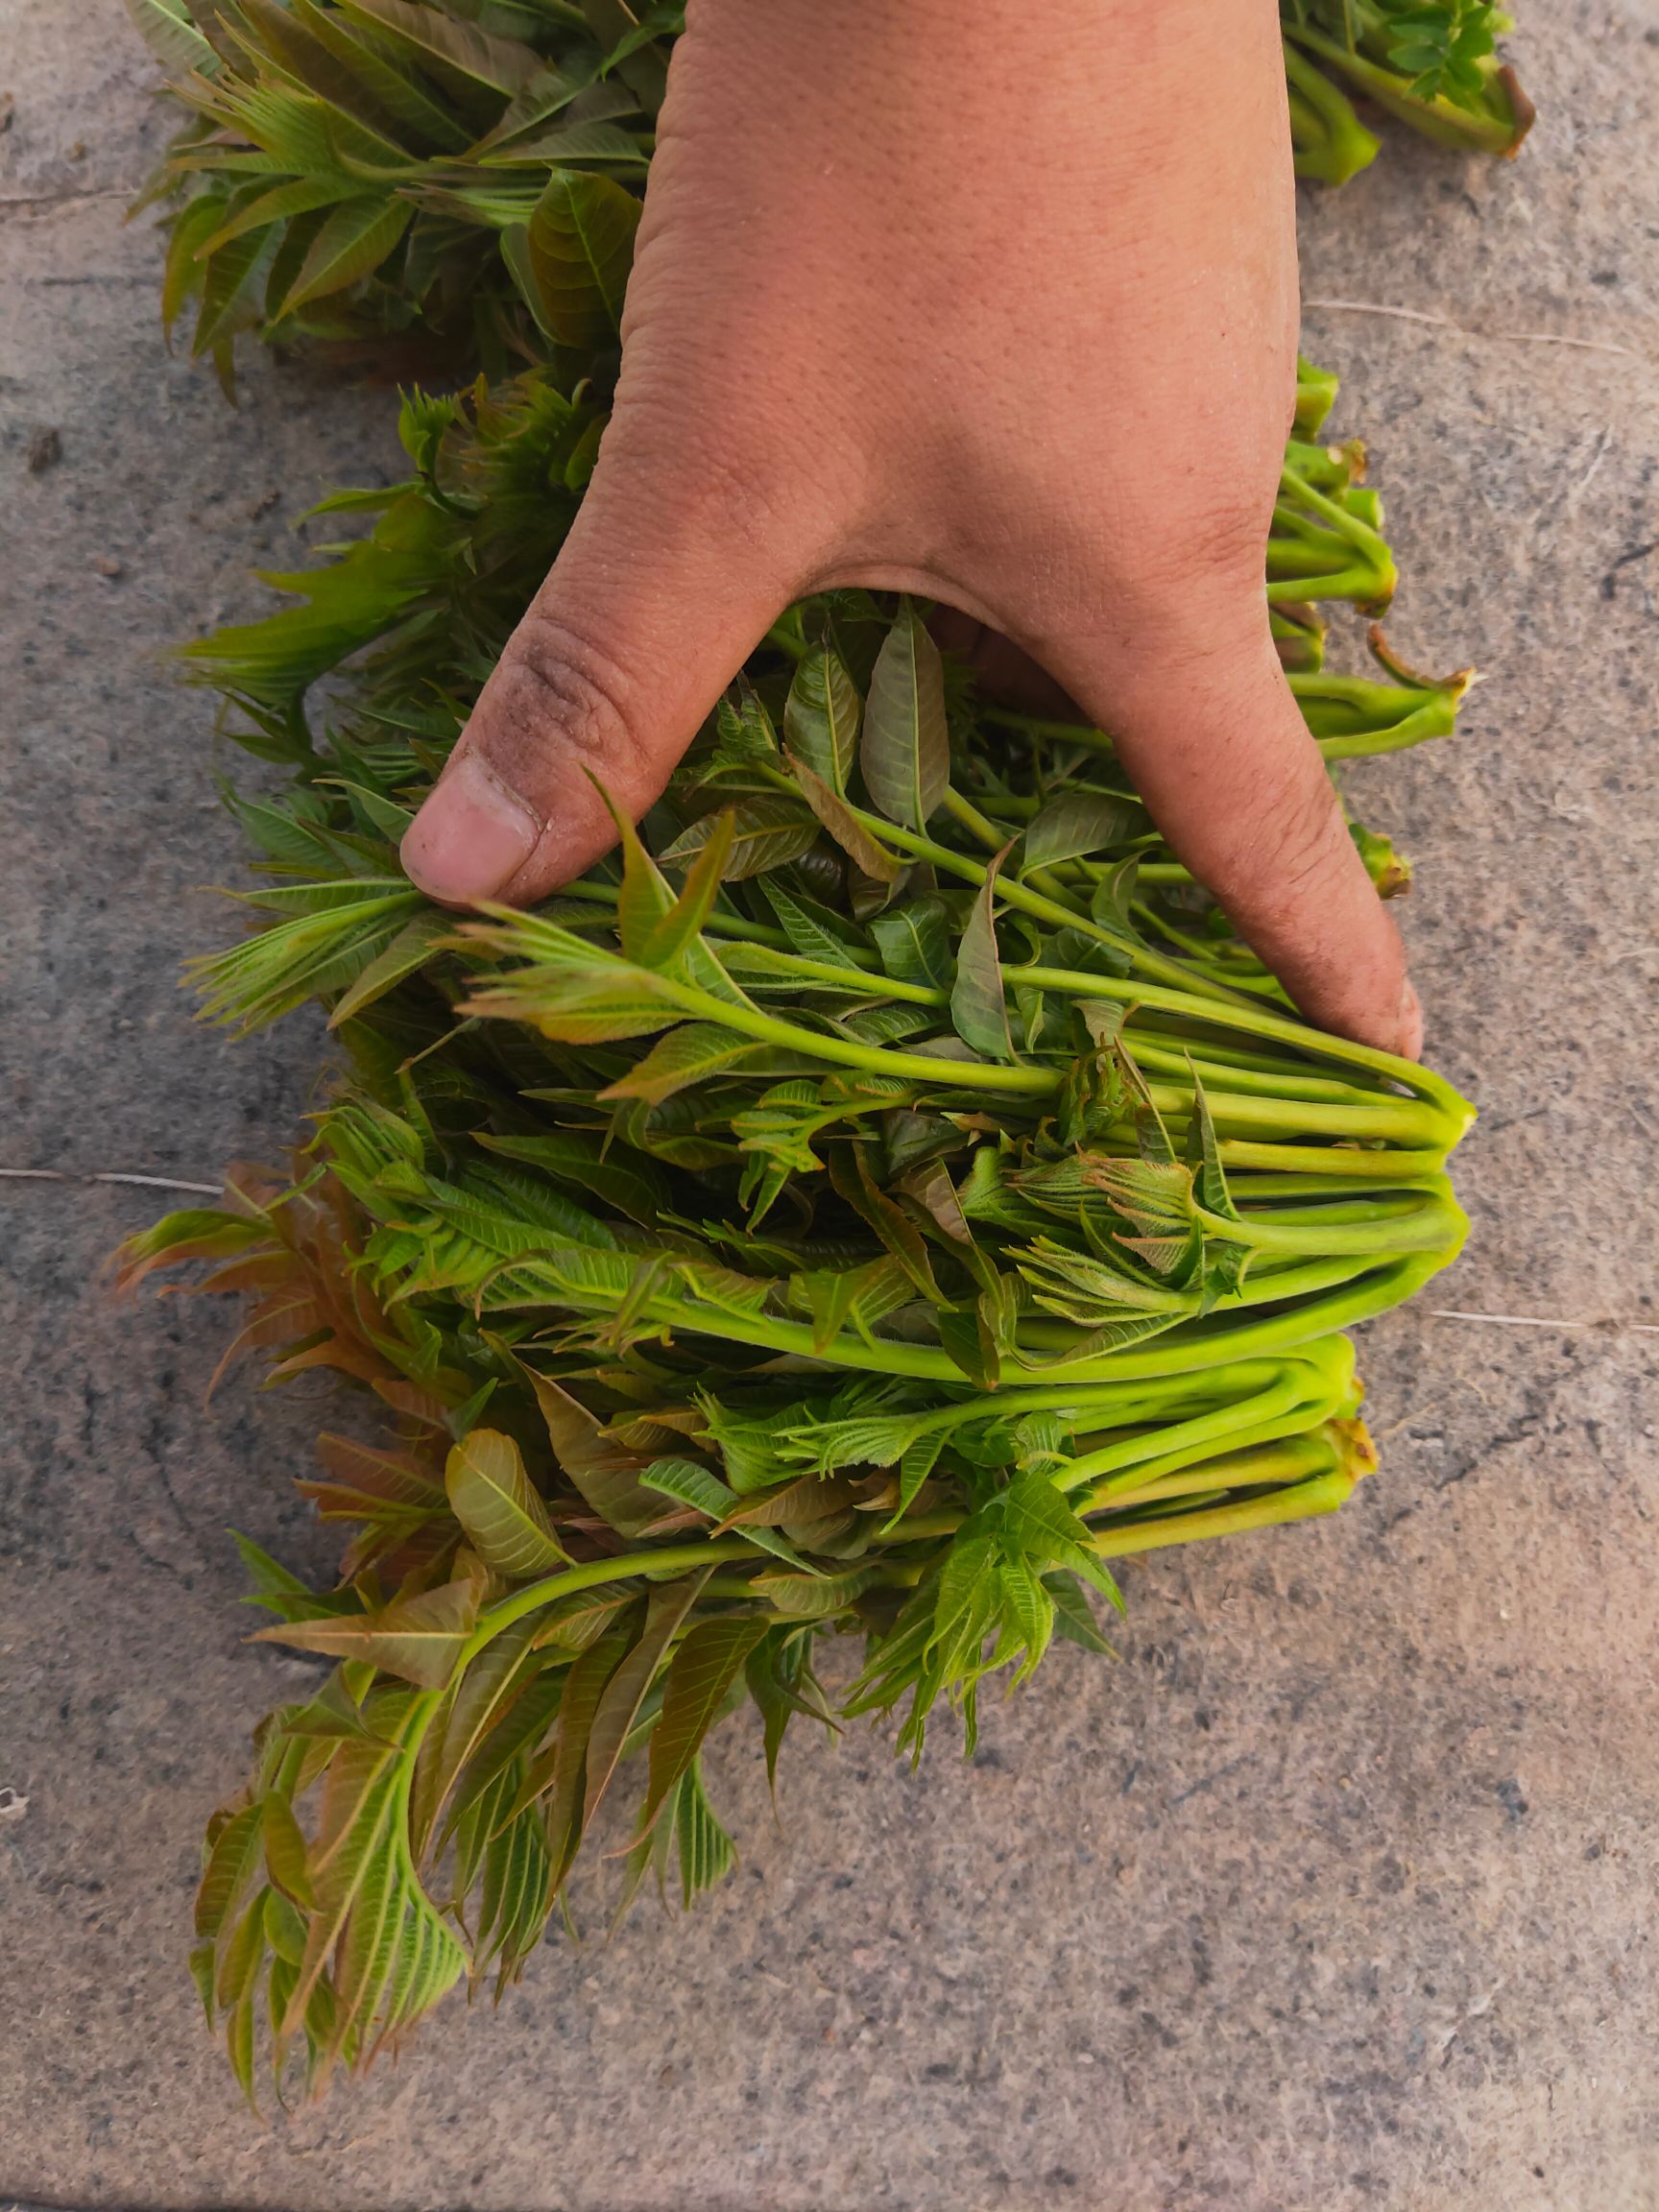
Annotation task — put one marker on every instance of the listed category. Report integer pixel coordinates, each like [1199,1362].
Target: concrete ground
[1338,1889]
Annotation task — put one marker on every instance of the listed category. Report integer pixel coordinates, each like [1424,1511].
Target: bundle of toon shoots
[875,1201]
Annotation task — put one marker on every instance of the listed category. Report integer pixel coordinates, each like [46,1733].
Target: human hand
[936,299]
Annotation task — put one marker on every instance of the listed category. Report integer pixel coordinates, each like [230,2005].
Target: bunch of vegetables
[877,1198]
[1431,64]
[434,171]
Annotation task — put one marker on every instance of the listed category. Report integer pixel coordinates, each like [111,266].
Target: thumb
[1207,729]
[658,595]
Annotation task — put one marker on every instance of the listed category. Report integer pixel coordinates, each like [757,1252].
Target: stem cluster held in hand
[878,1199]
[875,1201]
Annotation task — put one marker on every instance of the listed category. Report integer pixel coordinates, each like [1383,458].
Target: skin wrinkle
[869,340]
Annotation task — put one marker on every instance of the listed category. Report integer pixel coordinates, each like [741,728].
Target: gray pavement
[1339,1890]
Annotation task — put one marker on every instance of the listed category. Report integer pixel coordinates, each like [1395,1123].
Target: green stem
[1367,587]
[965,811]
[671,1559]
[1128,1402]
[1282,1029]
[1269,1081]
[1436,719]
[1427,1226]
[1183,1437]
[1301,1502]
[872,1059]
[858,980]
[788,634]
[1331,143]
[1281,1161]
[1175,1475]
[1483,127]
[1352,745]
[1194,1345]
[1381,1116]
[1342,521]
[1353,1295]
[1019,895]
[994,839]
[1281,1459]
[718,924]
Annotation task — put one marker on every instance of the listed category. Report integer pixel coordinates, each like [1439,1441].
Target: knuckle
[1183,581]
[1216,550]
[1229,541]
[560,698]
[1300,834]
[705,473]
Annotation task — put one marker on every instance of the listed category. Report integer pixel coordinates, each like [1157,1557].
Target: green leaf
[576,252]
[1076,823]
[357,1806]
[914,942]
[686,1056]
[588,1003]
[352,244]
[286,1852]
[1028,1615]
[671,936]
[835,816]
[486,1692]
[192,1233]
[391,87]
[978,1007]
[646,897]
[701,1489]
[895,1228]
[778,1675]
[236,1855]
[760,833]
[607,1477]
[916,1462]
[231,291]
[301,196]
[517,1897]
[416,1638]
[821,717]
[1072,1617]
[166,29]
[496,1504]
[1039,1525]
[286,1933]
[813,931]
[964,1607]
[183,276]
[1204,1154]
[690,1484]
[905,754]
[407,954]
[622,1177]
[201,1963]
[810,1597]
[705,1666]
[573,1622]
[624,1692]
[576,142]
[332,1717]
[862,1295]
[240,1957]
[626,32]
[453,48]
[705,1848]
[560,1772]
